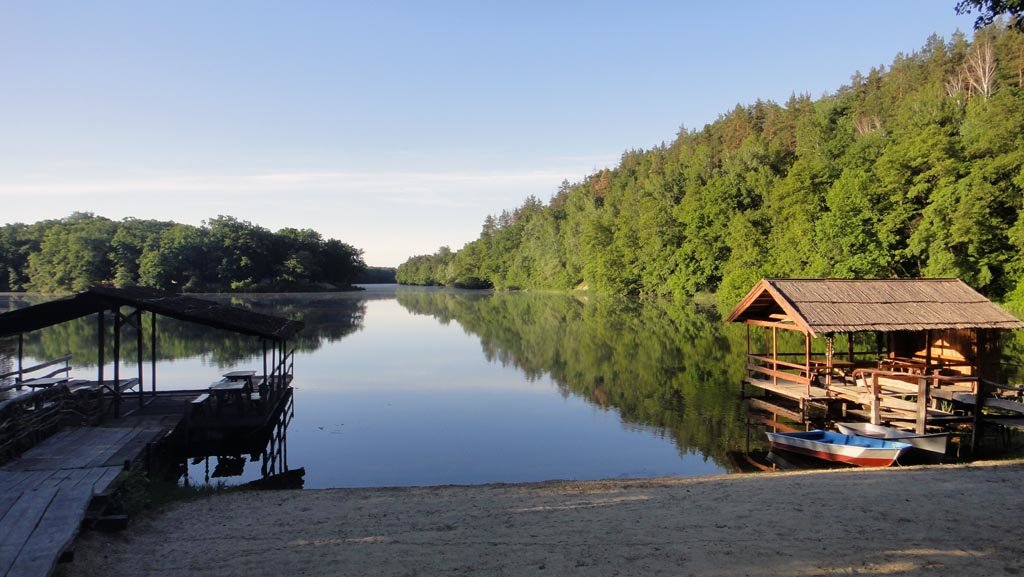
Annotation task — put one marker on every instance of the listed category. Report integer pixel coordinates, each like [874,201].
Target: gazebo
[128,307]
[932,338]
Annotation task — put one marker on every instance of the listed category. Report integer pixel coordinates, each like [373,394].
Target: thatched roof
[822,306]
[164,303]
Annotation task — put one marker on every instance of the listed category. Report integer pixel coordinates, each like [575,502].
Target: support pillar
[138,348]
[775,356]
[101,330]
[117,350]
[152,354]
[21,359]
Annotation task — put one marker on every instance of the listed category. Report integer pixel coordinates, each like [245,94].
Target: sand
[950,520]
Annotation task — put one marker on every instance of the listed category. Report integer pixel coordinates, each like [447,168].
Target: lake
[399,386]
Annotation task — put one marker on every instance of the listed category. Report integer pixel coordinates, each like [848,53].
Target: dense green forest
[914,169]
[224,254]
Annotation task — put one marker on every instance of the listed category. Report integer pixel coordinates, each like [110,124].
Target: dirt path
[954,520]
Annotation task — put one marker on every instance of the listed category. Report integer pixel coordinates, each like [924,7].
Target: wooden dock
[45,494]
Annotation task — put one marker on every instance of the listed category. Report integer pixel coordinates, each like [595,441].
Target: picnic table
[227,392]
[246,376]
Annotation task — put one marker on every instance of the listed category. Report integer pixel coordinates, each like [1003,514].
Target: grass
[137,493]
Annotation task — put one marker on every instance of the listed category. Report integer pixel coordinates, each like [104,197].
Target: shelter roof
[189,309]
[822,306]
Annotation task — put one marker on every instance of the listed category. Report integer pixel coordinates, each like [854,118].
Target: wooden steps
[45,494]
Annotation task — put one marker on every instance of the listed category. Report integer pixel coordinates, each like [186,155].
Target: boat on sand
[837,447]
[932,443]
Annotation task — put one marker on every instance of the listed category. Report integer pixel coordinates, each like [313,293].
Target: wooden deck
[45,494]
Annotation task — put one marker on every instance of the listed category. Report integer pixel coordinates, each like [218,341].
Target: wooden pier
[46,493]
[917,354]
[64,441]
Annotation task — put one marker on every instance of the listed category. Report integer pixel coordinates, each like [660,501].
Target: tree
[989,10]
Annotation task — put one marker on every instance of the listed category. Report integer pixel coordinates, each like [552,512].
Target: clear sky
[395,127]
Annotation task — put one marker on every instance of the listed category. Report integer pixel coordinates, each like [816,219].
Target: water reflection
[429,386]
[329,318]
[259,458]
[674,368]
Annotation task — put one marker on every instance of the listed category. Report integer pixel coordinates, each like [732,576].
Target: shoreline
[928,520]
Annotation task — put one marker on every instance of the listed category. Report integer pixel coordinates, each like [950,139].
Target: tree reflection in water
[673,367]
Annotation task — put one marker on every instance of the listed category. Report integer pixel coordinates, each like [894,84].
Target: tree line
[914,169]
[223,254]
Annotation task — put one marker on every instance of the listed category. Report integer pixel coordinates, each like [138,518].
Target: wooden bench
[199,403]
[230,391]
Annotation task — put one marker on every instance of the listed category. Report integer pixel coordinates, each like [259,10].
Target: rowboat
[929,442]
[831,446]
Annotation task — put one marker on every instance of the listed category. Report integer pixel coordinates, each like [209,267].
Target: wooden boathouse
[914,353]
[65,439]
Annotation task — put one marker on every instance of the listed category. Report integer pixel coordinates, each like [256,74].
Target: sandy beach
[950,520]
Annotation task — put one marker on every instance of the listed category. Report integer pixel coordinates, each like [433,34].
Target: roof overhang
[184,308]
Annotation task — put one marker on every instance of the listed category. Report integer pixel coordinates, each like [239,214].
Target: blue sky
[395,127]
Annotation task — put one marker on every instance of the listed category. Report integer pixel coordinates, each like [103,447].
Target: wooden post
[807,362]
[21,357]
[101,330]
[775,355]
[979,402]
[927,351]
[117,350]
[876,410]
[152,353]
[849,346]
[830,345]
[922,405]
[138,355]
[21,345]
[979,390]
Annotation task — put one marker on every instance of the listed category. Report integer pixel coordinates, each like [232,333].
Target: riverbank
[950,520]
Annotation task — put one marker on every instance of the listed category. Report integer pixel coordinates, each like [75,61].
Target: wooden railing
[29,418]
[278,380]
[20,373]
[893,390]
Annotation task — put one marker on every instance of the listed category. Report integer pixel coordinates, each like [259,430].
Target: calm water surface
[413,386]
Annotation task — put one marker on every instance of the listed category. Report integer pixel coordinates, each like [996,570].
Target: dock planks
[45,494]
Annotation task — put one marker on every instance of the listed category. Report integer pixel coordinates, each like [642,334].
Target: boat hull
[929,442]
[849,449]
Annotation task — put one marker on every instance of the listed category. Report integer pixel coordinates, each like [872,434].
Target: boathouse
[902,351]
[65,439]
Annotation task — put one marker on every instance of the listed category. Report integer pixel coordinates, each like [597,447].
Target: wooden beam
[21,357]
[776,375]
[876,401]
[777,363]
[117,346]
[979,404]
[152,353]
[922,405]
[138,354]
[775,355]
[770,324]
[100,337]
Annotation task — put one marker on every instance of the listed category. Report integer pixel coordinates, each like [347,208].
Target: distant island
[910,170]
[223,255]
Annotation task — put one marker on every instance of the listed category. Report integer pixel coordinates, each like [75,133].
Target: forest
[914,169]
[224,254]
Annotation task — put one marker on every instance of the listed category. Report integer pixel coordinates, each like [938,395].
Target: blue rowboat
[831,446]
